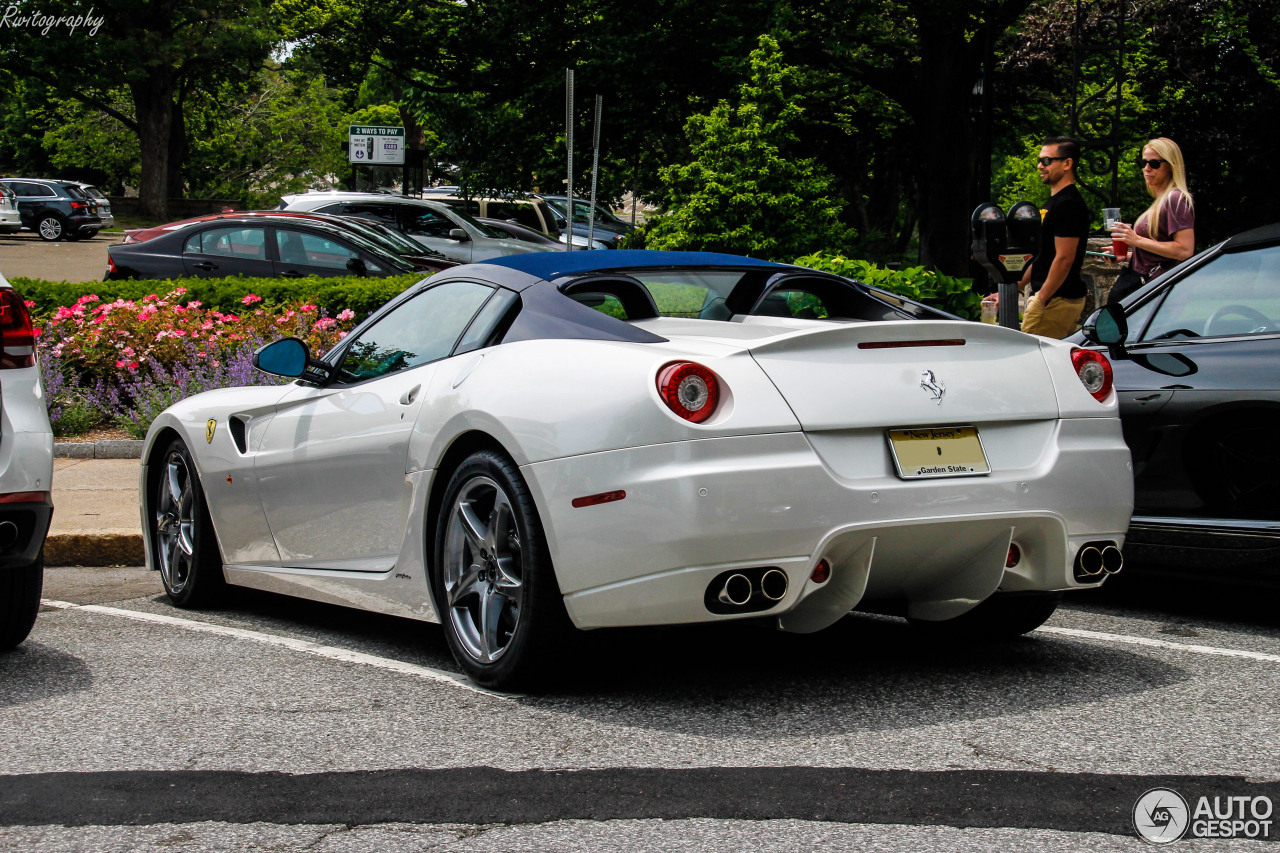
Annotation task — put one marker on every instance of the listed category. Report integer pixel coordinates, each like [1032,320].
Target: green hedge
[955,295]
[361,295]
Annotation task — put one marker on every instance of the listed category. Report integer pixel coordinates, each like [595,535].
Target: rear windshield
[723,294]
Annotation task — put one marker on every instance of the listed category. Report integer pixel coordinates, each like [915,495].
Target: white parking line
[304,646]
[1158,644]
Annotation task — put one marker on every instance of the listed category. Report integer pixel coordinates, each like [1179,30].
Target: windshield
[367,245]
[486,230]
[94,192]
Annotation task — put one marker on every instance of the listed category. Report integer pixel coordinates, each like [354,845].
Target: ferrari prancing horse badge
[208,430]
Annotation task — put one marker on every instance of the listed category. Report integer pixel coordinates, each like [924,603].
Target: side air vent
[239,433]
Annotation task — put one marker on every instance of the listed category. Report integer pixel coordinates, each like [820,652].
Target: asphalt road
[24,254]
[287,725]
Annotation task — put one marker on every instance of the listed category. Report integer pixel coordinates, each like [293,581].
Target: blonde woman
[1165,234]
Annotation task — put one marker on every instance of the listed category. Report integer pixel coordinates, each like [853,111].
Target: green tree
[744,191]
[159,51]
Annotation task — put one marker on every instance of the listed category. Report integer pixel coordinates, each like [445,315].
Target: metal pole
[1007,313]
[595,173]
[568,141]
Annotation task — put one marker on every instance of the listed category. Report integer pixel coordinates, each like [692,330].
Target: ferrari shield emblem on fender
[208,430]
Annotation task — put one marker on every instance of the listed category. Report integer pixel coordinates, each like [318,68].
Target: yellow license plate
[938,452]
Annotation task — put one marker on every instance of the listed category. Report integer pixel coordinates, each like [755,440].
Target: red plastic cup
[1119,248]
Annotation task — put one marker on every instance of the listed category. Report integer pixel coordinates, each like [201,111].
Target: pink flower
[346,314]
[121,363]
[28,303]
[250,299]
[324,323]
[151,298]
[194,303]
[306,308]
[63,313]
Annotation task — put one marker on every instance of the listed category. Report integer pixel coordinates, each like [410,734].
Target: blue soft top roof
[551,265]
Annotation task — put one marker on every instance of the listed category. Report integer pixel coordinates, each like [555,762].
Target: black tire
[183,543]
[1003,616]
[495,588]
[51,227]
[19,601]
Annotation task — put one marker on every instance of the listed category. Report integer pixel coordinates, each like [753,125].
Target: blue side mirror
[287,357]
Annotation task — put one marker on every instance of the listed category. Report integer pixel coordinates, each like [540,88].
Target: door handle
[291,274]
[409,396]
[205,265]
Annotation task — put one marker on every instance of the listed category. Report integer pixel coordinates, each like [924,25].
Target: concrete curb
[93,549]
[97,449]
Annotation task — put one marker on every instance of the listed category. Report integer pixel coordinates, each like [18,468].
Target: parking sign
[376,145]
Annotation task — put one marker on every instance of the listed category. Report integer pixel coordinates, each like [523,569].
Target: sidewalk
[95,512]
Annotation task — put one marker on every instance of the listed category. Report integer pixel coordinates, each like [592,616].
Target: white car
[533,444]
[26,471]
[10,219]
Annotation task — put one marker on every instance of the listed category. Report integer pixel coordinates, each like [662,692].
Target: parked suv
[10,222]
[26,471]
[450,232]
[608,228]
[533,213]
[56,210]
[103,203]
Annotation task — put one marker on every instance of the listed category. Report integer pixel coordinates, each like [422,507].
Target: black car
[1198,375]
[56,210]
[260,246]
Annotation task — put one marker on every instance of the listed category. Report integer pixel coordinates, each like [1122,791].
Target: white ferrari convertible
[534,445]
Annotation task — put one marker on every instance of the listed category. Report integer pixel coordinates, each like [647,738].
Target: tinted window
[312,250]
[383,213]
[424,222]
[421,330]
[239,242]
[1233,294]
[524,214]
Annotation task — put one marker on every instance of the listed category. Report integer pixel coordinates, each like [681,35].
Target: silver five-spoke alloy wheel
[175,509]
[483,569]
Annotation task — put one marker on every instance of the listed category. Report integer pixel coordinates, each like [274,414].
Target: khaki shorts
[1061,317]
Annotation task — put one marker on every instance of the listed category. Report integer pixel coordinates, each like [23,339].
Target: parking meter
[1022,235]
[988,239]
[988,242]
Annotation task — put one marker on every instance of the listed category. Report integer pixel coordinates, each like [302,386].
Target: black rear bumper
[31,520]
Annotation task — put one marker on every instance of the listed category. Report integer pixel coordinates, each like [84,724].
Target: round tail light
[1094,371]
[690,390]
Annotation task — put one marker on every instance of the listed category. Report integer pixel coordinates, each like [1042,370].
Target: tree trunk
[153,104]
[946,137]
[175,186]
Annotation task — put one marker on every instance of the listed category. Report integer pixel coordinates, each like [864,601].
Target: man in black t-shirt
[1057,291]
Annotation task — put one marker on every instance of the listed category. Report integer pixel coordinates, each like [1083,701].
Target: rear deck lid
[909,374]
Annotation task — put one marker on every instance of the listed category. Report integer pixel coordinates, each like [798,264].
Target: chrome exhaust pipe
[773,585]
[1090,561]
[736,590]
[1112,559]
[8,534]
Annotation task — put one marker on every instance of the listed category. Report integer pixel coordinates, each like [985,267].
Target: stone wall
[1098,274]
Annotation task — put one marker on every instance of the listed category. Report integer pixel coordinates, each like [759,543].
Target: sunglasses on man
[1154,164]
[1045,161]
